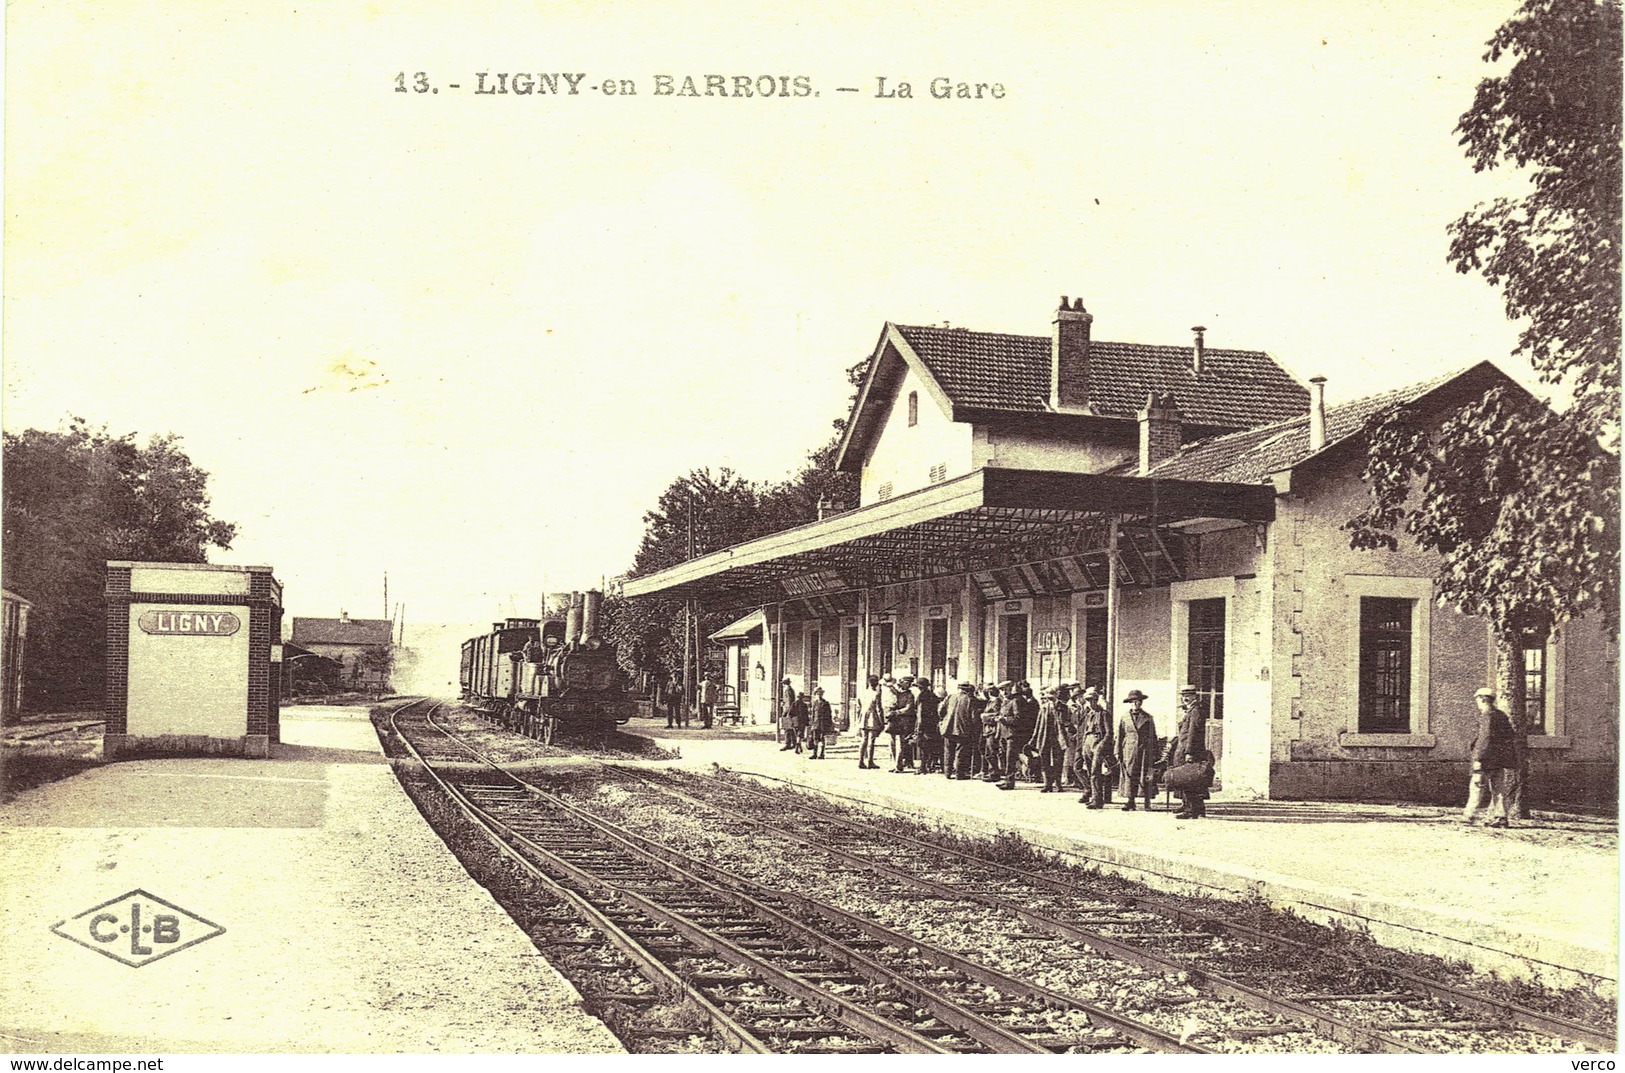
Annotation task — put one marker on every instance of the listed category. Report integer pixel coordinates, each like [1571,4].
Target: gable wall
[903,456]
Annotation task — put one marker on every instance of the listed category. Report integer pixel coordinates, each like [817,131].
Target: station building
[1135,517]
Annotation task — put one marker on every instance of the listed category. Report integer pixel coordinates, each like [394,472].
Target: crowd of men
[1001,733]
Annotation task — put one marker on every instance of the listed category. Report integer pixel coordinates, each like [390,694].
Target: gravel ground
[998,940]
[1412,875]
[1006,943]
[349,927]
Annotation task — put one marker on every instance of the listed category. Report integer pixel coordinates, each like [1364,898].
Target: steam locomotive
[548,676]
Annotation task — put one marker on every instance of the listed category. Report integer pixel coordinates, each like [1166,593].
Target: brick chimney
[344,616]
[1159,430]
[1198,349]
[1069,357]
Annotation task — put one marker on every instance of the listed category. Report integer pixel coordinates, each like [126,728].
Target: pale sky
[221,219]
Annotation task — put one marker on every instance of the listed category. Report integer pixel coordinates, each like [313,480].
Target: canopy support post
[1113,590]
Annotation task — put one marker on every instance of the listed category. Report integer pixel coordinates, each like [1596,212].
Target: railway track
[55,730]
[1336,993]
[774,970]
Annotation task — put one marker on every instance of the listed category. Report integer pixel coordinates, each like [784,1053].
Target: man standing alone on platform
[820,723]
[1137,751]
[1494,762]
[708,700]
[960,727]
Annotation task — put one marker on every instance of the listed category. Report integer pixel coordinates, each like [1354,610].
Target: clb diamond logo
[137,928]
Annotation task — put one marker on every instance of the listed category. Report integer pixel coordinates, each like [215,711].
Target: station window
[1534,689]
[939,472]
[913,408]
[1385,665]
[884,491]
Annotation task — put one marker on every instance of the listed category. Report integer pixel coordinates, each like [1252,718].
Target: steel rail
[59,728]
[837,1006]
[1321,1023]
[840,1009]
[946,1010]
[1130,1028]
[735,1035]
[1514,1014]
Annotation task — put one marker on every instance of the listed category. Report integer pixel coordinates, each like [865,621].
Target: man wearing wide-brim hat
[1189,746]
[1137,752]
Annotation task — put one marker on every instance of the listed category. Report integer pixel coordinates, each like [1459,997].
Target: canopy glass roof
[1017,532]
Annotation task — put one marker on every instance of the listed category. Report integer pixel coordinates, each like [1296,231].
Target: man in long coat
[927,727]
[1095,752]
[960,727]
[795,722]
[1067,699]
[820,723]
[1189,746]
[1137,752]
[992,756]
[787,700]
[1495,761]
[1017,718]
[900,724]
[1045,743]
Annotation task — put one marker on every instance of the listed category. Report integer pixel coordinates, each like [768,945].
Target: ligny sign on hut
[190,623]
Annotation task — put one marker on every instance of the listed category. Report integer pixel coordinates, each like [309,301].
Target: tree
[1520,500]
[1554,253]
[75,498]
[727,510]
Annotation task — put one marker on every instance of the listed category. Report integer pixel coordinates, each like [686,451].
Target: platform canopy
[1017,532]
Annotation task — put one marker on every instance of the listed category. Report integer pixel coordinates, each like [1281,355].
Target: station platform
[349,926]
[1538,902]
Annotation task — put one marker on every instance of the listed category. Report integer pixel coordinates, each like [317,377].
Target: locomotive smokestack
[591,602]
[572,620]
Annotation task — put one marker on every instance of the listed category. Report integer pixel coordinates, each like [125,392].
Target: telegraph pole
[688,620]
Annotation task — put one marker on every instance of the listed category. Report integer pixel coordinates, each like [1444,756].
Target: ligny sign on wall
[190,623]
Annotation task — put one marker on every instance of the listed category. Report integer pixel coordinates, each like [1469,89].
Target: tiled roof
[333,631]
[990,370]
[1249,457]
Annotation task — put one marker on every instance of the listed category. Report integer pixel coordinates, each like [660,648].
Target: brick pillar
[116,689]
[260,611]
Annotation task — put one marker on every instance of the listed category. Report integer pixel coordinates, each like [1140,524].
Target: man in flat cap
[1095,752]
[1495,761]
